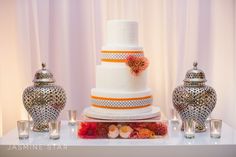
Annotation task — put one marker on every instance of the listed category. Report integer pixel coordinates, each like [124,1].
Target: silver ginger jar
[44,100]
[194,99]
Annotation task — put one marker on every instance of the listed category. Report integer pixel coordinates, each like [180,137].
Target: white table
[174,145]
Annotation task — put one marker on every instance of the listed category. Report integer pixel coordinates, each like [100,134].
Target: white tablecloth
[174,145]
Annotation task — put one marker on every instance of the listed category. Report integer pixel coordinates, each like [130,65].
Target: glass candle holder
[72,117]
[189,128]
[54,129]
[215,128]
[23,128]
[174,116]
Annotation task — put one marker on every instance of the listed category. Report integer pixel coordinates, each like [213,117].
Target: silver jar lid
[43,75]
[195,75]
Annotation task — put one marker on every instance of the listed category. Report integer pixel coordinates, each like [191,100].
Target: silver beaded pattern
[122,104]
[44,103]
[120,56]
[194,103]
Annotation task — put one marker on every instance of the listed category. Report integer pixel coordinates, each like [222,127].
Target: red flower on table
[88,130]
[134,135]
[137,64]
[158,128]
[102,129]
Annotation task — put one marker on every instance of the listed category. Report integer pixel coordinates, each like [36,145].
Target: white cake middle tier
[118,77]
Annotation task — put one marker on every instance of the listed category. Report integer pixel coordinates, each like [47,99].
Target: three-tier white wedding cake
[119,93]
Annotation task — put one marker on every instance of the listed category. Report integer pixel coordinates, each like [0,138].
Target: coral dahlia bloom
[137,64]
[87,130]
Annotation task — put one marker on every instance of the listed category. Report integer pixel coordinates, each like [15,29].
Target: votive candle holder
[189,128]
[215,128]
[23,127]
[174,116]
[72,117]
[54,129]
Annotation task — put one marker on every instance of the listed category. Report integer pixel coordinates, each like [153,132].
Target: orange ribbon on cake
[119,55]
[121,103]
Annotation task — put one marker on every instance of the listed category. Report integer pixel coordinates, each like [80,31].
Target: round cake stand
[155,112]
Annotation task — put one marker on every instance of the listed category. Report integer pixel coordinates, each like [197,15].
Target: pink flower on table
[137,64]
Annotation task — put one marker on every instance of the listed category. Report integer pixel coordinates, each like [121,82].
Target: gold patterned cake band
[121,103]
[119,55]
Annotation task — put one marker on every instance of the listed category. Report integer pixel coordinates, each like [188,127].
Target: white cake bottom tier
[118,77]
[121,100]
[121,111]
[144,113]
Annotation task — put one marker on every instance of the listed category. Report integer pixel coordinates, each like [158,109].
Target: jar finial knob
[43,65]
[195,65]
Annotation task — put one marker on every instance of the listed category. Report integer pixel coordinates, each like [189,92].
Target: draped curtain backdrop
[68,36]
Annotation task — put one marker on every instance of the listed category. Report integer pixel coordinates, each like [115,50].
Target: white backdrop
[68,35]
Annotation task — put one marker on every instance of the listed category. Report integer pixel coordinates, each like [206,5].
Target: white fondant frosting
[117,77]
[122,33]
[121,111]
[145,113]
[122,48]
[115,94]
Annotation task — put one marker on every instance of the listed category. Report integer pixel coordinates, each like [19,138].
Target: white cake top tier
[122,33]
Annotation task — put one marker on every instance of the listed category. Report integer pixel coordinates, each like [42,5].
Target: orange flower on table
[145,133]
[158,128]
